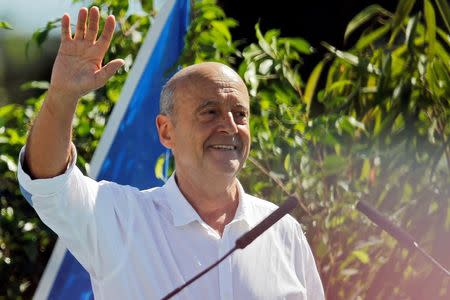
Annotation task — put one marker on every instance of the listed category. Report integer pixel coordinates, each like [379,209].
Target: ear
[165,126]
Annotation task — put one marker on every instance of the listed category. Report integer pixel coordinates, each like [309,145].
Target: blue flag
[130,146]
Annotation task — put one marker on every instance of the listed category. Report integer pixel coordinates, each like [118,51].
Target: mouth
[224,147]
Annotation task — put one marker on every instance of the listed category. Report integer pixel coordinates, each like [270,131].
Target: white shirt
[143,244]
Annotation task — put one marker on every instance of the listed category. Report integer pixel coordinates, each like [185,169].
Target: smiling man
[143,244]
[204,120]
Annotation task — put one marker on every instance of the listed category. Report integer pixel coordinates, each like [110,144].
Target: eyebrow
[217,102]
[207,103]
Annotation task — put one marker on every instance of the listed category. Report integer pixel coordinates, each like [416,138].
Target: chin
[229,169]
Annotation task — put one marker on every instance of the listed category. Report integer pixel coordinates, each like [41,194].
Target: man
[143,244]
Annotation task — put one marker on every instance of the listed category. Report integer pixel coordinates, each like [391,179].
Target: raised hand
[77,70]
[78,66]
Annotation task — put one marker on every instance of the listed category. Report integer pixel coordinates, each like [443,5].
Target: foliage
[209,37]
[368,123]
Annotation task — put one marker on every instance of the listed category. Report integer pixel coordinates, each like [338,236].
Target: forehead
[212,88]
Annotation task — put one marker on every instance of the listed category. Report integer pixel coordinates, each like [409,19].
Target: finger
[65,28]
[108,31]
[92,30]
[107,71]
[80,30]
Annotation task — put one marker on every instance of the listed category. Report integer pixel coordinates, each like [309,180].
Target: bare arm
[77,70]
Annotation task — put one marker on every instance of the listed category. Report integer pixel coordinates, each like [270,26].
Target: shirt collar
[183,213]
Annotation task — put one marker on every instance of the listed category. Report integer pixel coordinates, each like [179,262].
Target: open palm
[78,66]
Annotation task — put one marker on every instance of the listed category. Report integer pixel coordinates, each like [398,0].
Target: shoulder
[262,208]
[124,196]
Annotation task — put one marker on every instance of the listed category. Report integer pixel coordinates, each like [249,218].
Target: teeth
[224,147]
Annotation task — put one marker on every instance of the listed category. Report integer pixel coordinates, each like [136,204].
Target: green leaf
[301,45]
[159,167]
[430,19]
[147,5]
[311,84]
[404,7]
[334,164]
[362,17]
[222,28]
[5,25]
[411,32]
[444,10]
[287,162]
[5,112]
[42,85]
[365,170]
[348,124]
[10,163]
[346,56]
[263,43]
[444,36]
[371,37]
[339,85]
[361,256]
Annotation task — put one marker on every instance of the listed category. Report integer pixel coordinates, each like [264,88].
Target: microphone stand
[399,234]
[245,239]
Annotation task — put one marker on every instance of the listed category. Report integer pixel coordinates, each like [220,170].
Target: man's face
[210,133]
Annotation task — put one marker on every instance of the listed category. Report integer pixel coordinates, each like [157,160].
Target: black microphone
[375,216]
[250,236]
[245,239]
[398,233]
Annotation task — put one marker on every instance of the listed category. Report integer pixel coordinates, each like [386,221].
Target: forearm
[77,70]
[48,145]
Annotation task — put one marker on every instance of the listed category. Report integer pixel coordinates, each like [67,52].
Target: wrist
[62,94]
[60,103]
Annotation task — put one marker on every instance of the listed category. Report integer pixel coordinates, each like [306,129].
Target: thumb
[108,70]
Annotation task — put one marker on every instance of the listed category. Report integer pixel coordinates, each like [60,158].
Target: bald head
[193,75]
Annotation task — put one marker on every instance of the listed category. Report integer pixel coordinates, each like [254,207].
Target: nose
[228,124]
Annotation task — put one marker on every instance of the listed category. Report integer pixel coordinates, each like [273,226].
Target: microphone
[251,235]
[398,233]
[245,239]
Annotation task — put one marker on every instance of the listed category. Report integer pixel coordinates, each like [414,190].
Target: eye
[208,114]
[240,116]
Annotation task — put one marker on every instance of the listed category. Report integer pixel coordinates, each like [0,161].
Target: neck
[216,203]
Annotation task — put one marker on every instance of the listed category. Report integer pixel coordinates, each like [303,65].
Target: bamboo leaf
[444,10]
[445,36]
[362,17]
[366,40]
[346,56]
[263,43]
[430,19]
[403,9]
[411,31]
[311,84]
[301,45]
